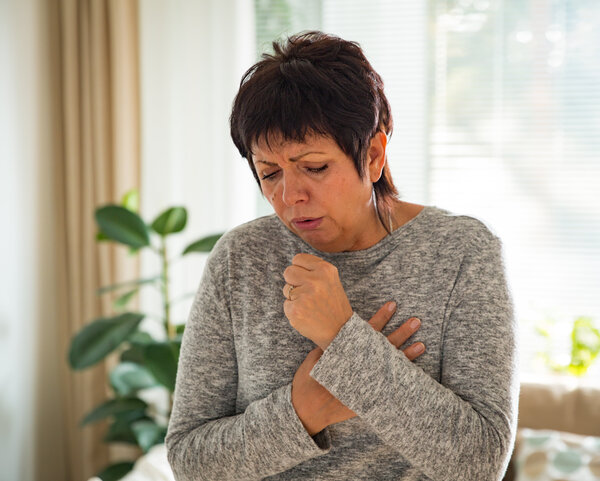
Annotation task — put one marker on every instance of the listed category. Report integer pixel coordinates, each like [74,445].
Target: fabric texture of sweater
[448,415]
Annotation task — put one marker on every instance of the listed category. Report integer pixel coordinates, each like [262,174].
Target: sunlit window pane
[496,108]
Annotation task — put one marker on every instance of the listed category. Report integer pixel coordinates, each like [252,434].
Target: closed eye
[269,176]
[312,170]
[316,170]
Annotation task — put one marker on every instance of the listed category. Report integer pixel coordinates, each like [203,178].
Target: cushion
[545,455]
[566,406]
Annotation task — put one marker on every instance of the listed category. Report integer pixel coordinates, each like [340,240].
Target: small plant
[144,362]
[585,346]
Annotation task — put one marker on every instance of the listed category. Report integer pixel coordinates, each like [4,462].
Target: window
[515,137]
[496,109]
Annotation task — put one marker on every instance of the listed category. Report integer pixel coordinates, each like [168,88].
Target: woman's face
[317,192]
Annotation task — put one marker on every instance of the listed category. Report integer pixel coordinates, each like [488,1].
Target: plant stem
[169,327]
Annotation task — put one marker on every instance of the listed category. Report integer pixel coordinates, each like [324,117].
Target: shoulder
[460,228]
[451,235]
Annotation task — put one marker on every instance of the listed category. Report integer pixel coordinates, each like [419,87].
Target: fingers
[383,315]
[401,335]
[307,261]
[309,268]
[414,350]
[296,276]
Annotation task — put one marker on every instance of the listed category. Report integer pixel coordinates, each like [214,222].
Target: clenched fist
[317,305]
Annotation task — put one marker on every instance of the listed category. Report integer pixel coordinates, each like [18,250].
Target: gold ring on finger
[289,295]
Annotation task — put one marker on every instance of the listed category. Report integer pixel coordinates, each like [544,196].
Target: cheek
[270,193]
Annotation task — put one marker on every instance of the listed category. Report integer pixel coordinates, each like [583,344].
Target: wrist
[310,419]
[324,343]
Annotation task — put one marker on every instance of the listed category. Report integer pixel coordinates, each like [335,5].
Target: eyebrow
[292,159]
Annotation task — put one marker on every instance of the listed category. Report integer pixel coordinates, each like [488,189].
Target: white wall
[193,55]
[29,361]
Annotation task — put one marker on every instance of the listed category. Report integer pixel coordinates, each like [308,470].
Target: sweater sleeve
[207,439]
[461,428]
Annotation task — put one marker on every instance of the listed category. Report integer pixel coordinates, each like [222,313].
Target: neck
[385,214]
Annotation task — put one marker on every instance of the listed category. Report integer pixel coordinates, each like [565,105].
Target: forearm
[208,438]
[445,436]
[266,439]
[316,414]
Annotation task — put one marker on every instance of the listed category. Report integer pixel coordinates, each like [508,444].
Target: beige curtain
[95,78]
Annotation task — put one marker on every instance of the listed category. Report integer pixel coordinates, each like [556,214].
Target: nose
[294,190]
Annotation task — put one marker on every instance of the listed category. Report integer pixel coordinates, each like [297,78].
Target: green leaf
[131,200]
[148,434]
[586,335]
[542,332]
[161,360]
[116,471]
[128,377]
[585,345]
[577,370]
[120,431]
[100,237]
[170,221]
[122,225]
[123,300]
[179,328]
[100,337]
[205,244]
[133,354]
[131,416]
[176,345]
[113,407]
[135,282]
[140,337]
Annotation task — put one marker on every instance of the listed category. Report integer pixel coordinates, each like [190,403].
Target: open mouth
[307,223]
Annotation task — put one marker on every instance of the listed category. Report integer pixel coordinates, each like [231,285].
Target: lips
[307,223]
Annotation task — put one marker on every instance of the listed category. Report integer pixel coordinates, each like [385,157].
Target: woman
[255,398]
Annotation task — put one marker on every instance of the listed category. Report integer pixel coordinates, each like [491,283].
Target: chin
[323,245]
[315,241]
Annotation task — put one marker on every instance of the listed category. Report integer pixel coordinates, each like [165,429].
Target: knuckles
[286,272]
[302,258]
[297,258]
[330,269]
[322,269]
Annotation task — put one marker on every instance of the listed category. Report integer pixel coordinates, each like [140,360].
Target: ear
[376,156]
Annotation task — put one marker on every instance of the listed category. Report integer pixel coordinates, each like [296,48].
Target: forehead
[276,145]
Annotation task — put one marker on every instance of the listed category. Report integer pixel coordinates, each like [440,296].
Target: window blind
[496,108]
[515,140]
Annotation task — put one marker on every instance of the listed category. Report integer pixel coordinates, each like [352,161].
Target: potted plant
[585,346]
[143,361]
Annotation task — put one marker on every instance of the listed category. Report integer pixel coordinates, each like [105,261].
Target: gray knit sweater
[449,415]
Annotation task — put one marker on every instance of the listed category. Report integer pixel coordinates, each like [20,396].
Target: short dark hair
[319,84]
